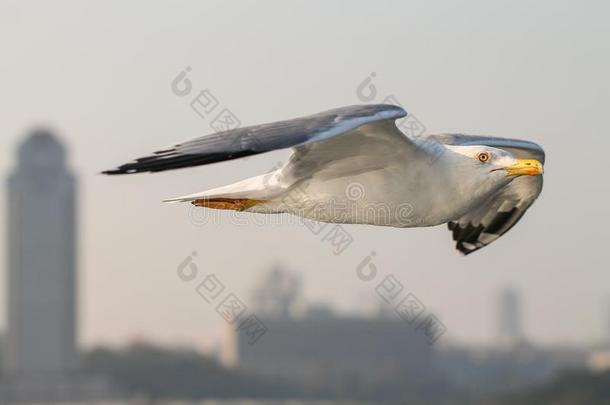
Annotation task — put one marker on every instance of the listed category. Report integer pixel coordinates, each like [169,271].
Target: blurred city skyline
[101,80]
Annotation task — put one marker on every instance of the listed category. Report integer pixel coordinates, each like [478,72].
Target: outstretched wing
[503,210]
[263,138]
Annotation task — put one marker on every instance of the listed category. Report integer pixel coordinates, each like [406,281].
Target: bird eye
[484,157]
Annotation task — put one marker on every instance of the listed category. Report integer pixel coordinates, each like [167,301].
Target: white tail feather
[263,187]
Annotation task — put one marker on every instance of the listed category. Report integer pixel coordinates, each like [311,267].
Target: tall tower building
[510,318]
[41,338]
[607,324]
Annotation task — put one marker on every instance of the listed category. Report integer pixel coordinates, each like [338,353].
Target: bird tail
[255,194]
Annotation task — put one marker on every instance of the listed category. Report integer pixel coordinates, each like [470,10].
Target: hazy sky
[100,75]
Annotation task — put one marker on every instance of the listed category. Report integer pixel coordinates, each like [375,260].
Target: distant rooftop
[41,149]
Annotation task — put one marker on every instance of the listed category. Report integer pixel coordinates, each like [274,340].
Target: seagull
[353,165]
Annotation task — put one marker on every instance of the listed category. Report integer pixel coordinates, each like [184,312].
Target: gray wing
[503,210]
[263,138]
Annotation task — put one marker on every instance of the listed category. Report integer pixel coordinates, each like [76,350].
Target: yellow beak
[525,167]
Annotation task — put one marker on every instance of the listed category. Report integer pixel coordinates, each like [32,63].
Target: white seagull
[354,165]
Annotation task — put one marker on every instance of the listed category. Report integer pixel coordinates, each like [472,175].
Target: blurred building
[41,360]
[510,329]
[599,358]
[41,237]
[278,294]
[512,363]
[316,346]
[607,325]
[328,346]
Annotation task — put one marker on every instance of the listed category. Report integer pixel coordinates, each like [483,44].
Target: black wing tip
[464,251]
[466,235]
[136,167]
[165,161]
[118,170]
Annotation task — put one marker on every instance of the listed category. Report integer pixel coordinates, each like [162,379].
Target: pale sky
[99,74]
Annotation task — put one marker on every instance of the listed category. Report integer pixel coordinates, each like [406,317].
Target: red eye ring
[484,157]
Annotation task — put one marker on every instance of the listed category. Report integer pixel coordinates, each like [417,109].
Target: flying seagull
[354,165]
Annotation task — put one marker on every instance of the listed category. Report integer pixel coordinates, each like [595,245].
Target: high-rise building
[510,322]
[41,361]
[41,269]
[607,324]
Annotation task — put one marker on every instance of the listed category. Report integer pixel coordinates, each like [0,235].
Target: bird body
[353,165]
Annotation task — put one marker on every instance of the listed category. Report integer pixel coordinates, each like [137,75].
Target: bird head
[494,163]
[481,169]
